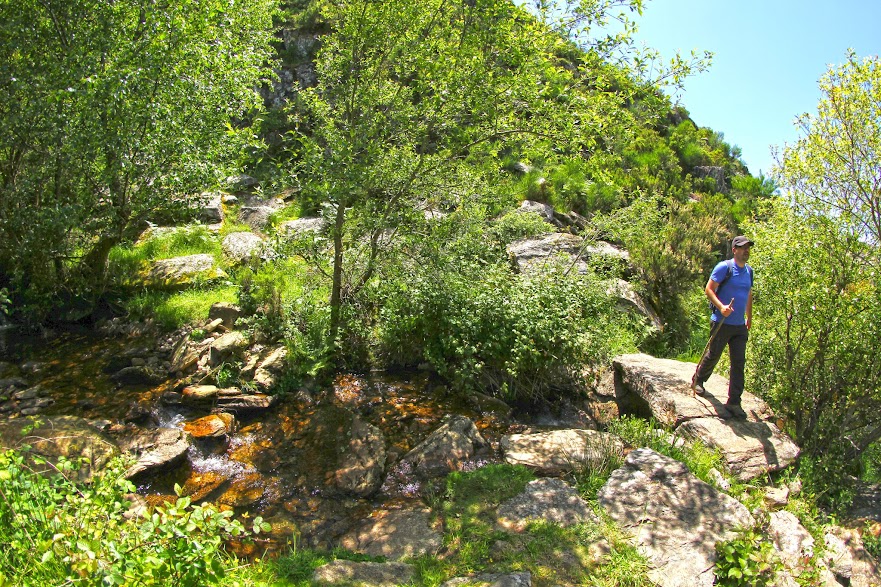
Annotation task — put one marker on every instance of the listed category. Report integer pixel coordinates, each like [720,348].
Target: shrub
[481,326]
[747,560]
[55,532]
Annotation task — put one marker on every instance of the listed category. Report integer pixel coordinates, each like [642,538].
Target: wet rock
[345,454]
[183,271]
[271,369]
[242,246]
[64,436]
[560,451]
[548,500]
[142,375]
[211,426]
[364,573]
[245,403]
[199,393]
[225,311]
[243,491]
[446,448]
[487,404]
[13,383]
[228,345]
[523,579]
[395,534]
[674,517]
[35,405]
[154,449]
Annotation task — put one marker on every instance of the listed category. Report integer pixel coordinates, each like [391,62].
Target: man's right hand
[727,310]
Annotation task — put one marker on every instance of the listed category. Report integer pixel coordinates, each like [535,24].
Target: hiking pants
[734,337]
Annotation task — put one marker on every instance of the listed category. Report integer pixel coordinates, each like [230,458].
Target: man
[729,290]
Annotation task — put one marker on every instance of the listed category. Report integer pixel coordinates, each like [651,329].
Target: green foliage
[115,113]
[55,532]
[172,310]
[817,299]
[697,456]
[833,168]
[521,336]
[516,225]
[871,541]
[748,560]
[4,301]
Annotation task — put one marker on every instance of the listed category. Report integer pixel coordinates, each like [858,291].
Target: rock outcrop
[560,451]
[675,518]
[661,388]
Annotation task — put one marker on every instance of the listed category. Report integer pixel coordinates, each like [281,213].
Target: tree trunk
[337,287]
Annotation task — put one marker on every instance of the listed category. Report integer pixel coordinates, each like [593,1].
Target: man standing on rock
[731,320]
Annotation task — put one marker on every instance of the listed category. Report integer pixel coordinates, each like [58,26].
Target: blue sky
[769,56]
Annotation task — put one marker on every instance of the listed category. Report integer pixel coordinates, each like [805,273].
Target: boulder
[364,573]
[245,403]
[630,301]
[837,556]
[750,449]
[560,451]
[225,347]
[661,389]
[674,517]
[546,211]
[444,450]
[270,369]
[395,534]
[300,227]
[183,271]
[153,449]
[241,183]
[211,426]
[794,543]
[344,453]
[522,579]
[242,246]
[255,212]
[211,210]
[226,312]
[63,436]
[531,253]
[865,569]
[139,375]
[547,500]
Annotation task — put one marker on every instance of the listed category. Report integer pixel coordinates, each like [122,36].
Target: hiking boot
[736,411]
[698,388]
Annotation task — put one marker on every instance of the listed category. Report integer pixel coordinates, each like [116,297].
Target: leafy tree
[113,113]
[835,167]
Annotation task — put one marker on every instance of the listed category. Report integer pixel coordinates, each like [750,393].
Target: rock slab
[546,500]
[561,451]
[364,573]
[676,519]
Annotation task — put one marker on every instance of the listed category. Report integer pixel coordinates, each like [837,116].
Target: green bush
[481,326]
[516,225]
[55,532]
[748,560]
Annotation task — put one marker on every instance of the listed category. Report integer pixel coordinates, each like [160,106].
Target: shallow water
[270,466]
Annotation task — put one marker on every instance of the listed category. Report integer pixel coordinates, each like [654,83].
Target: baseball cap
[741,241]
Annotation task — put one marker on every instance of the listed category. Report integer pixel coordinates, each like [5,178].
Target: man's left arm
[749,309]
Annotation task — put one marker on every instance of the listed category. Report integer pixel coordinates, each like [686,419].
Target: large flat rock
[560,451]
[674,517]
[750,448]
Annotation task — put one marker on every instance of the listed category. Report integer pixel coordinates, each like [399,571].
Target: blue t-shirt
[737,286]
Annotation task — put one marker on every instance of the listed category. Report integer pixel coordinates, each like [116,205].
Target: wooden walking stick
[706,348]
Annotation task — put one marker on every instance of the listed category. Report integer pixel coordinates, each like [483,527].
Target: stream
[271,465]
